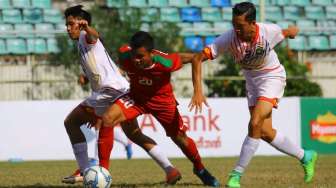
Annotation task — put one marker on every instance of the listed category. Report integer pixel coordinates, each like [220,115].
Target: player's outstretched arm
[91,34]
[186,57]
[198,98]
[290,32]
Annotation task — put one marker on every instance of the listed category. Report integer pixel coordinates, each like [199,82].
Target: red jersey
[151,85]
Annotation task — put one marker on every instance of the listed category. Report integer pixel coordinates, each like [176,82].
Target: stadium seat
[209,40]
[37,46]
[220,3]
[199,3]
[149,14]
[32,15]
[16,46]
[191,14]
[293,13]
[158,3]
[60,26]
[201,27]
[145,27]
[299,43]
[170,14]
[21,28]
[116,3]
[128,12]
[322,2]
[21,3]
[285,24]
[44,28]
[4,4]
[318,43]
[221,27]
[315,12]
[52,45]
[11,16]
[273,13]
[332,41]
[4,28]
[306,25]
[300,2]
[178,3]
[281,2]
[3,49]
[233,2]
[211,14]
[227,14]
[44,4]
[184,26]
[137,3]
[52,16]
[194,43]
[331,12]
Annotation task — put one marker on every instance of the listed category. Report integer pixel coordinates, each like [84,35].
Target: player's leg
[114,114]
[105,145]
[120,137]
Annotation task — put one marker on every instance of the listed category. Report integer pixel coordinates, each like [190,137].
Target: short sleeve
[274,34]
[219,46]
[167,63]
[83,41]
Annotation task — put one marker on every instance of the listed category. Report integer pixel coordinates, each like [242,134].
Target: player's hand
[82,80]
[293,31]
[83,24]
[197,101]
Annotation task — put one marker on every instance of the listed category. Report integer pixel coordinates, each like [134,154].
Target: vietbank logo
[323,128]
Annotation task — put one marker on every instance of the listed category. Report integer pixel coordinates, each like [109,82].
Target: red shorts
[168,116]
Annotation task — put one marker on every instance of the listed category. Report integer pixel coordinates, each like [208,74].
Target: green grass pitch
[284,172]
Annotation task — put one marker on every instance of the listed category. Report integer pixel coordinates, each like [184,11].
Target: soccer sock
[160,158]
[81,155]
[249,147]
[283,144]
[192,153]
[105,144]
[120,136]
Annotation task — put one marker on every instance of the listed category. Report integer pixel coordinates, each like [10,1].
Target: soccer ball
[97,177]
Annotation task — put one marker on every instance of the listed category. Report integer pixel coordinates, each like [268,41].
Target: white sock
[249,147]
[283,144]
[160,158]
[81,154]
[120,136]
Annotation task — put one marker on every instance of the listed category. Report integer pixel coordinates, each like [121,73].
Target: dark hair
[142,39]
[77,11]
[246,8]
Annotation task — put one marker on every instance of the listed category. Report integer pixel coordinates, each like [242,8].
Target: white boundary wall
[33,130]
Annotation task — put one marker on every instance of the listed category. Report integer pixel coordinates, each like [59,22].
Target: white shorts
[269,86]
[102,99]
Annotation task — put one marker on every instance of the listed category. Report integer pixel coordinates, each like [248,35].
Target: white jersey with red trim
[98,67]
[257,55]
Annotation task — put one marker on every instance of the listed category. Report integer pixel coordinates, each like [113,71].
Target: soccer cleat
[234,179]
[206,177]
[173,176]
[76,177]
[308,164]
[129,151]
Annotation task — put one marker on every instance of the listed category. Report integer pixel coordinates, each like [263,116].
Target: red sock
[105,145]
[192,153]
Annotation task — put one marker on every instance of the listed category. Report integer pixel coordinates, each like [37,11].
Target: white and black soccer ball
[97,177]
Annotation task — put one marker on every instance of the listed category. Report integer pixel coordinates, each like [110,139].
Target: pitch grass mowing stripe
[282,172]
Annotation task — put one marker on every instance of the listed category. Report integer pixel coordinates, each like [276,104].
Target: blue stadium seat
[285,24]
[21,3]
[137,3]
[158,3]
[116,3]
[331,12]
[178,3]
[273,13]
[315,12]
[4,4]
[300,2]
[191,14]
[37,46]
[21,28]
[52,45]
[201,27]
[149,14]
[199,3]
[44,28]
[32,15]
[211,14]
[221,27]
[52,16]
[281,2]
[194,43]
[332,41]
[306,24]
[44,4]
[322,2]
[220,3]
[293,13]
[299,43]
[209,40]
[183,26]
[3,49]
[318,43]
[227,14]
[170,14]
[16,46]
[4,28]
[11,16]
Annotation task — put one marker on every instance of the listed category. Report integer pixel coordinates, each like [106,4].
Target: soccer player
[251,44]
[151,92]
[107,85]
